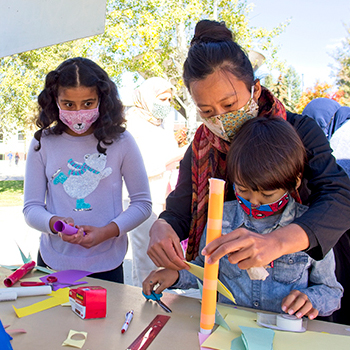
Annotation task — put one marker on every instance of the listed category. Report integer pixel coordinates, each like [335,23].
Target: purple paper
[66,278]
[61,226]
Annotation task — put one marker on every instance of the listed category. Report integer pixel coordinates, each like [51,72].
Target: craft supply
[156,297]
[146,337]
[282,322]
[8,296]
[89,302]
[128,317]
[18,274]
[64,228]
[214,225]
[27,291]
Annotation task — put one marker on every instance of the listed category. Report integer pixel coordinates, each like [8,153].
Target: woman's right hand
[164,247]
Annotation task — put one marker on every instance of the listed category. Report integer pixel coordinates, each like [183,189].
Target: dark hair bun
[211,31]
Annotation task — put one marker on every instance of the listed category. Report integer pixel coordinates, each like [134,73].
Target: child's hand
[164,277]
[299,304]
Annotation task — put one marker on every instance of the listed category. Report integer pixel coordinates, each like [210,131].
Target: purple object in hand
[61,226]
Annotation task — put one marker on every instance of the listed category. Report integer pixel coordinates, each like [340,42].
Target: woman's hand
[249,249]
[299,304]
[164,247]
[90,236]
[164,278]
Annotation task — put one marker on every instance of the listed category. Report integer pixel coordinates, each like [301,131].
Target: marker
[128,317]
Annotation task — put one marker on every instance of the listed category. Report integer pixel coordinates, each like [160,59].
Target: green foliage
[287,88]
[11,193]
[150,37]
[342,56]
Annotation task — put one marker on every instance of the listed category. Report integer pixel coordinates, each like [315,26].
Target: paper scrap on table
[56,298]
[198,271]
[68,277]
[202,338]
[257,338]
[221,338]
[76,343]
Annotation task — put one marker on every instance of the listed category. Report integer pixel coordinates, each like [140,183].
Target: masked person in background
[146,121]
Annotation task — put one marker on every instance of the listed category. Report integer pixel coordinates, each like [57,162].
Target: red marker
[128,317]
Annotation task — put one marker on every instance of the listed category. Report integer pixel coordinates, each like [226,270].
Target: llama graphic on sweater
[83,178]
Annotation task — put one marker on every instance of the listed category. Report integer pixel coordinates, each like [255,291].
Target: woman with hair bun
[220,78]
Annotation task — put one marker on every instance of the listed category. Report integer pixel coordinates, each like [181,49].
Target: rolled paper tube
[289,322]
[61,226]
[8,296]
[27,291]
[18,274]
[214,225]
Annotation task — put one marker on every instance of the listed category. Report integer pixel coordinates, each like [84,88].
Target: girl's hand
[90,236]
[299,304]
[67,220]
[164,278]
[164,247]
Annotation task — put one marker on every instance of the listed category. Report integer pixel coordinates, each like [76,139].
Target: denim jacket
[292,271]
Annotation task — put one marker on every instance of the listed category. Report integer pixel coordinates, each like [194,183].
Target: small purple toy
[61,226]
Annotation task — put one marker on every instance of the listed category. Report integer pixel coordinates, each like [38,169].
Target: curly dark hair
[77,72]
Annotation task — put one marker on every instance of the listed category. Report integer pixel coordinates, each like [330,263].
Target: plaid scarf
[209,160]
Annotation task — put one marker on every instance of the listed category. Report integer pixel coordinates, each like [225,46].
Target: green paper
[237,344]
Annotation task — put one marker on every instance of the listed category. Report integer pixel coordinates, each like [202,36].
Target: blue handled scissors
[156,297]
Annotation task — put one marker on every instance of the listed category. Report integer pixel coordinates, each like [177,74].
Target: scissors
[156,297]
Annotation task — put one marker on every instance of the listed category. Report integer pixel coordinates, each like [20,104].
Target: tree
[342,72]
[319,90]
[287,88]
[150,37]
[22,78]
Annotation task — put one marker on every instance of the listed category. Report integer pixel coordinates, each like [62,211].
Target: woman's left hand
[90,236]
[249,249]
[299,304]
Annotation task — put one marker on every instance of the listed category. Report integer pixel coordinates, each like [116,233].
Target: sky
[315,31]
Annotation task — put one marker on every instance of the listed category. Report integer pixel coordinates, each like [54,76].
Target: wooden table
[48,329]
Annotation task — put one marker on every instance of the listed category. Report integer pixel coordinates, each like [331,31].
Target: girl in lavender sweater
[76,166]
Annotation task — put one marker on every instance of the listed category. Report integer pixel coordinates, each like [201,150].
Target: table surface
[48,329]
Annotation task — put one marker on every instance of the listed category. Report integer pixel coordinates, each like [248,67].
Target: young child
[265,165]
[75,169]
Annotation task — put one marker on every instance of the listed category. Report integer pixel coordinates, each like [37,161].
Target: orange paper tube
[214,224]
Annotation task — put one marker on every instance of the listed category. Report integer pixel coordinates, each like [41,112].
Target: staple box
[89,302]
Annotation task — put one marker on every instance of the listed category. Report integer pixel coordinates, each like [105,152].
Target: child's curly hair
[73,73]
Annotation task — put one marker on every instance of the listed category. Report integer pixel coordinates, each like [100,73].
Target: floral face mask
[79,121]
[226,125]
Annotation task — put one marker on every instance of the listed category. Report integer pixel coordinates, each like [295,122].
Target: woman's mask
[160,111]
[79,121]
[226,125]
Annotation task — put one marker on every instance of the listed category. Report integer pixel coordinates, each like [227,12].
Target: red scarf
[209,160]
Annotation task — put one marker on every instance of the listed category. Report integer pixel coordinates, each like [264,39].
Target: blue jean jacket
[293,271]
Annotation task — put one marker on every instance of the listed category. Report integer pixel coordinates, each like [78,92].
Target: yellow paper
[76,343]
[198,271]
[57,298]
[221,338]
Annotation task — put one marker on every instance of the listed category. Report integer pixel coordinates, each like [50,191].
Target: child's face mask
[226,125]
[263,210]
[79,121]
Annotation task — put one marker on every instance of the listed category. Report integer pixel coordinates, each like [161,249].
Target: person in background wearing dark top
[221,81]
[16,158]
[334,121]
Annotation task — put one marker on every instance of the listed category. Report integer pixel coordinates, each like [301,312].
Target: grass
[11,193]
